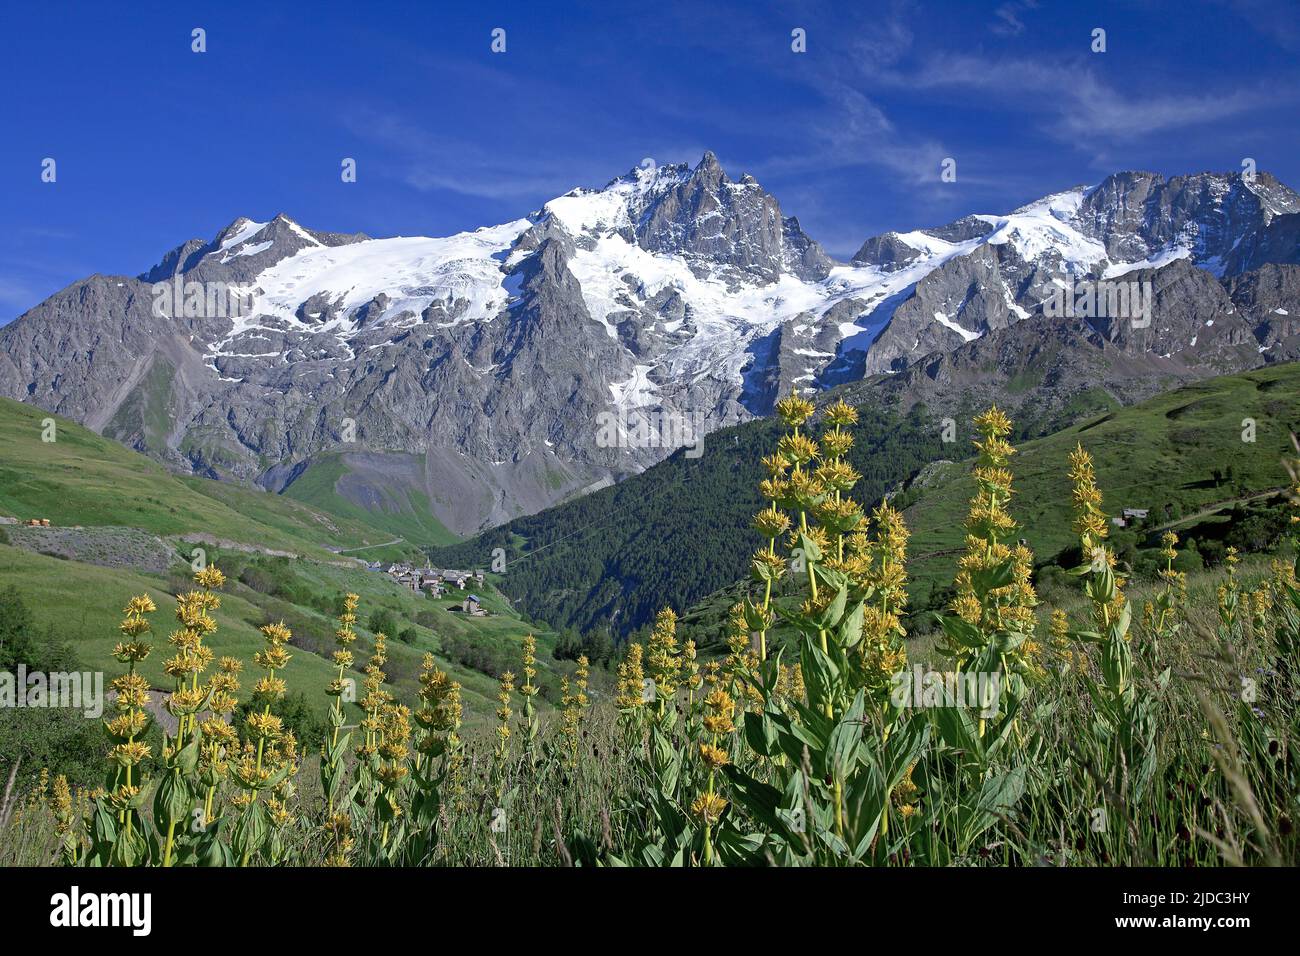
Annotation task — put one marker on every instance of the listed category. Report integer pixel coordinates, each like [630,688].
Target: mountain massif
[494,373]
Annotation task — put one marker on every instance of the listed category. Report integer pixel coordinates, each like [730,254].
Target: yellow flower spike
[210,578]
[988,523]
[714,757]
[798,450]
[139,605]
[663,657]
[794,411]
[774,465]
[771,524]
[841,413]
[631,681]
[836,476]
[720,709]
[709,808]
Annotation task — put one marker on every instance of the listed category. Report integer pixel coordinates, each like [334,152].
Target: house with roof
[1130,515]
[471,606]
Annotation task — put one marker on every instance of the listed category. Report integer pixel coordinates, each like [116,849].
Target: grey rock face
[956,303]
[1278,242]
[1137,214]
[737,224]
[889,252]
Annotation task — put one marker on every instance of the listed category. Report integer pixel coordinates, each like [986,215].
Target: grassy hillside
[1179,455]
[82,604]
[82,478]
[405,512]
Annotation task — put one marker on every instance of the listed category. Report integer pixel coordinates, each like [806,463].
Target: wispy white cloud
[1008,22]
[427,159]
[853,131]
[1078,104]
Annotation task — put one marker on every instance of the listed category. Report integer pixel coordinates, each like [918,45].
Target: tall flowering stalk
[270,688]
[582,679]
[690,674]
[570,717]
[1125,719]
[66,821]
[269,755]
[1163,613]
[394,753]
[1229,599]
[744,661]
[835,477]
[1060,642]
[801,492]
[373,704]
[439,760]
[180,788]
[219,736]
[632,698]
[1110,609]
[992,632]
[766,566]
[123,844]
[709,805]
[1092,527]
[880,565]
[573,710]
[331,761]
[528,721]
[813,767]
[501,750]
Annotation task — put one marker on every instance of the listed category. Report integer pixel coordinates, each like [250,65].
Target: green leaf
[961,631]
[821,676]
[842,748]
[832,613]
[904,748]
[172,802]
[832,578]
[761,734]
[998,795]
[188,759]
[850,627]
[958,729]
[984,580]
[760,799]
[1007,641]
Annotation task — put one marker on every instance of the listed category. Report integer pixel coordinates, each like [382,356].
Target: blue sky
[156,144]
